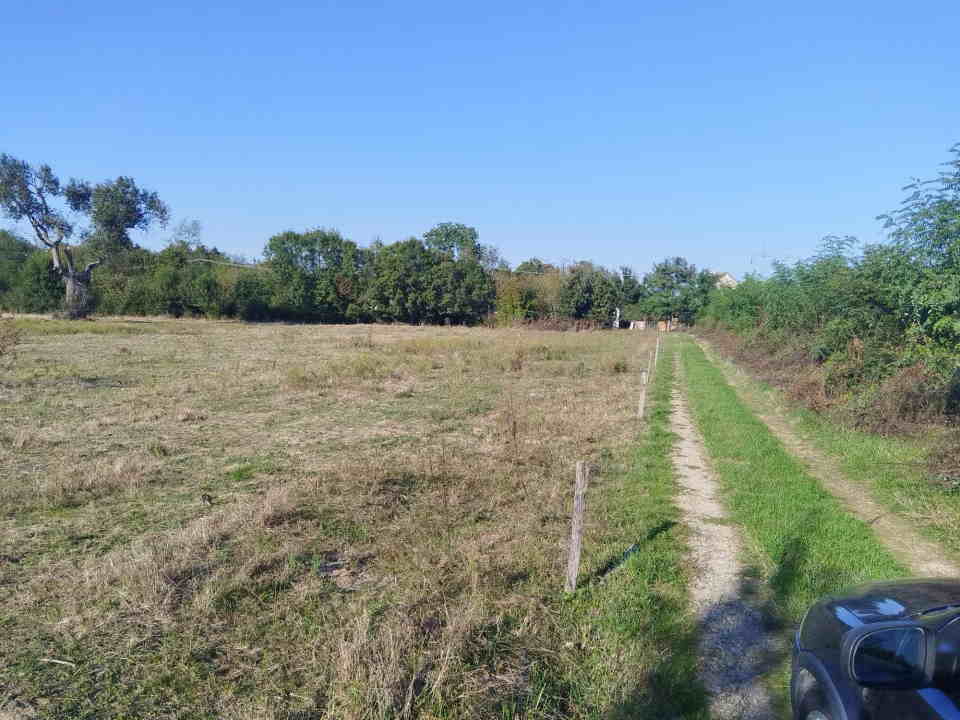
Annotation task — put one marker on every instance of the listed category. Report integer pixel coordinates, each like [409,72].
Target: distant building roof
[726,280]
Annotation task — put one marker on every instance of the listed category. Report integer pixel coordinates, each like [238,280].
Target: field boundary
[636,631]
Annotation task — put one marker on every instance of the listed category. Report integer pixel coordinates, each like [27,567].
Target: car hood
[894,600]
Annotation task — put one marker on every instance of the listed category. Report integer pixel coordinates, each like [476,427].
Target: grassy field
[801,542]
[202,519]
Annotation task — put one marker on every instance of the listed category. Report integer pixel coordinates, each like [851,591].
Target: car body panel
[885,601]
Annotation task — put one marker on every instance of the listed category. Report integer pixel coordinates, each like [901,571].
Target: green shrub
[38,287]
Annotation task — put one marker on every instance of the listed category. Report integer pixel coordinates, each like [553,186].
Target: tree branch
[40,232]
[71,268]
[55,255]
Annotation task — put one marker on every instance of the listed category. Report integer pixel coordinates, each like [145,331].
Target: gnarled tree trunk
[77,303]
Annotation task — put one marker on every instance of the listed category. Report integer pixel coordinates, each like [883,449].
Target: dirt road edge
[733,645]
[923,557]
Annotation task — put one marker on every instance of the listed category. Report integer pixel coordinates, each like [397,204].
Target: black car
[888,650]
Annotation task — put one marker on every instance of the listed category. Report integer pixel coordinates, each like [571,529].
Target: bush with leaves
[875,317]
[37,288]
[590,292]
[252,293]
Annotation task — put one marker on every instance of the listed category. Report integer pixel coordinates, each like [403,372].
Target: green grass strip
[808,544]
[635,623]
[802,541]
[894,469]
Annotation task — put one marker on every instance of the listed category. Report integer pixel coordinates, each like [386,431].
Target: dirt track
[734,649]
[923,557]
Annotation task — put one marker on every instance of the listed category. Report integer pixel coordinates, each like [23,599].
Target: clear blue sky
[617,132]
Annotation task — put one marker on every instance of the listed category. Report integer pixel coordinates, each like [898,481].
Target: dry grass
[223,520]
[910,400]
[9,339]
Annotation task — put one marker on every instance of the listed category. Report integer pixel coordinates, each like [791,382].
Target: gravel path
[924,557]
[734,649]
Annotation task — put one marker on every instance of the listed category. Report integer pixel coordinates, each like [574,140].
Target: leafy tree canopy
[675,288]
[31,193]
[590,292]
[534,266]
[14,251]
[115,208]
[461,242]
[928,219]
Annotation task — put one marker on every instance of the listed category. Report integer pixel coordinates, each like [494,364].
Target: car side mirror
[895,658]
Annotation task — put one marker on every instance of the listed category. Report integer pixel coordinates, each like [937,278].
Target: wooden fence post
[643,395]
[576,526]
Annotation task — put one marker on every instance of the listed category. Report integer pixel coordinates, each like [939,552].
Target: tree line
[867,311]
[446,276]
[536,290]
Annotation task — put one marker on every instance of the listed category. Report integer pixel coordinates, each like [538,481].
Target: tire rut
[923,557]
[734,650]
